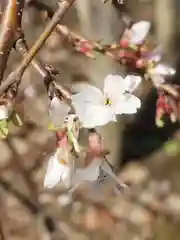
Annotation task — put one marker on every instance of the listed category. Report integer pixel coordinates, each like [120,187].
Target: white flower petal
[90,173]
[58,111]
[64,200]
[90,95]
[132,82]
[135,101]
[156,54]
[158,49]
[114,85]
[80,86]
[93,115]
[163,69]
[139,31]
[129,106]
[125,109]
[55,172]
[157,79]
[3,112]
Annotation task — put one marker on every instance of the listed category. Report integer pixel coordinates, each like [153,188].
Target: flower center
[107,101]
[62,161]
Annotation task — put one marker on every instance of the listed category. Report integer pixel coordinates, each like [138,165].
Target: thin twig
[22,48]
[15,77]
[10,26]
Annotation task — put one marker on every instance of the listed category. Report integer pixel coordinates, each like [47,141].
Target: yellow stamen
[108,102]
[150,65]
[62,161]
[52,127]
[133,47]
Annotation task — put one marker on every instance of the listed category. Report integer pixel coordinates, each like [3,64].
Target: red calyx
[124,43]
[126,55]
[140,63]
[121,53]
[60,134]
[161,102]
[83,47]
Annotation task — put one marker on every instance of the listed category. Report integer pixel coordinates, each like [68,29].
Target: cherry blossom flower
[96,108]
[162,69]
[58,111]
[139,31]
[89,173]
[93,172]
[157,79]
[155,55]
[158,73]
[58,169]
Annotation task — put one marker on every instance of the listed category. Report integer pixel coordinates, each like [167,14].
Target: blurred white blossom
[139,31]
[96,108]
[162,69]
[157,79]
[89,173]
[58,169]
[3,112]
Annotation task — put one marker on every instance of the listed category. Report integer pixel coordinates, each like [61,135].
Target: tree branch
[15,77]
[10,26]
[22,48]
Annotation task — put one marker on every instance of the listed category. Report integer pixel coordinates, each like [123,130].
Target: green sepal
[3,128]
[16,120]
[160,123]
[133,47]
[172,147]
[70,136]
[73,140]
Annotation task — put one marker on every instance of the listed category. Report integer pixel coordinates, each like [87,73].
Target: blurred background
[146,157]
